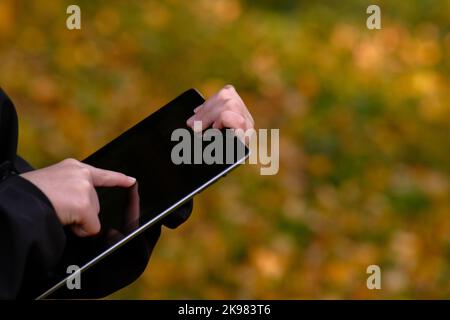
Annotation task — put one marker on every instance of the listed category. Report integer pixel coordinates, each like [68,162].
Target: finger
[210,105]
[193,118]
[231,119]
[88,223]
[248,114]
[234,120]
[78,230]
[249,123]
[198,108]
[94,201]
[200,112]
[209,111]
[213,108]
[208,115]
[107,178]
[89,227]
[243,108]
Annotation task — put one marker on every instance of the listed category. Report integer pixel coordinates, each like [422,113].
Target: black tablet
[171,164]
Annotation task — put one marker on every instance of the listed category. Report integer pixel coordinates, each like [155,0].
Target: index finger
[107,178]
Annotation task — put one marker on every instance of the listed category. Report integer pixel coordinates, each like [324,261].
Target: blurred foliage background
[364,124]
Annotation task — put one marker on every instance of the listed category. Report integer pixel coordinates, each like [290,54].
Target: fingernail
[132,180]
[198,108]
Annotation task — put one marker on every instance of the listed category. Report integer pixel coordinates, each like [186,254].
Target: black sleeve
[31,238]
[33,244]
[120,268]
[114,272]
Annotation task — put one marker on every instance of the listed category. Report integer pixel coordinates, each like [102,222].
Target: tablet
[146,151]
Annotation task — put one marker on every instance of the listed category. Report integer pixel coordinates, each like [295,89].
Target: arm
[78,212]
[31,238]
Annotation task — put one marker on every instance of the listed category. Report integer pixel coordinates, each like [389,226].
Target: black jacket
[33,243]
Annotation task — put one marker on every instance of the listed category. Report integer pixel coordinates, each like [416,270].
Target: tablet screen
[151,151]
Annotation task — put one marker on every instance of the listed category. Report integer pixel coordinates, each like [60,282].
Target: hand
[223,110]
[69,185]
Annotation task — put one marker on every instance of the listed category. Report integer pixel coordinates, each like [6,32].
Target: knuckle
[229,87]
[84,172]
[223,94]
[71,161]
[230,104]
[84,186]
